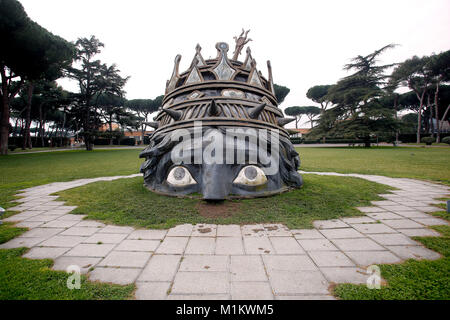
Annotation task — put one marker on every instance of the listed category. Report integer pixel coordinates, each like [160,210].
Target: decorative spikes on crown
[220,92]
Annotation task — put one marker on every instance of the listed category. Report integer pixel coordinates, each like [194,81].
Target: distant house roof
[105,127]
[302,130]
[135,133]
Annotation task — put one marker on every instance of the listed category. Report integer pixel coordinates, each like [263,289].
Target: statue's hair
[161,144]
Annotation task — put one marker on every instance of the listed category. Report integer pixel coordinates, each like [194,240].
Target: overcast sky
[308,42]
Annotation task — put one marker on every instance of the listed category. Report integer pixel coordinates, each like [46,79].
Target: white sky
[308,42]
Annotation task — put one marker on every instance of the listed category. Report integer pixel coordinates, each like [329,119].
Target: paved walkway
[265,261]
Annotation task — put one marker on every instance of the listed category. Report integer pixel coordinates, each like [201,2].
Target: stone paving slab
[21,242]
[63,241]
[105,238]
[345,275]
[90,250]
[229,245]
[124,259]
[414,252]
[342,233]
[199,245]
[201,282]
[161,268]
[419,232]
[331,259]
[431,221]
[329,224]
[258,245]
[80,231]
[360,244]
[147,235]
[317,245]
[373,228]
[286,245]
[247,268]
[44,253]
[402,224]
[114,275]
[152,290]
[85,264]
[392,239]
[288,263]
[173,245]
[367,258]
[229,231]
[138,245]
[251,291]
[302,234]
[298,282]
[207,261]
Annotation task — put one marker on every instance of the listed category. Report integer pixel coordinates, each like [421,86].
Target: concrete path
[265,261]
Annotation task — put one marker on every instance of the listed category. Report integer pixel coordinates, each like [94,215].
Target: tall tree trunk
[396,117]
[110,130]
[143,133]
[431,116]
[445,113]
[87,130]
[436,114]
[419,116]
[4,121]
[63,126]
[26,136]
[41,126]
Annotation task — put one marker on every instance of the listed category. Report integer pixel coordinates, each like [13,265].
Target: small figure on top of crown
[240,43]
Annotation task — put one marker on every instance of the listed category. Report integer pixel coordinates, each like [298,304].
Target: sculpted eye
[180,177]
[251,176]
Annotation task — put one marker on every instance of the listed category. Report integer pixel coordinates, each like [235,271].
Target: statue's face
[218,175]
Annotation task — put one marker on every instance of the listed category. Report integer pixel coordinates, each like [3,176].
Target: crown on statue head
[220,92]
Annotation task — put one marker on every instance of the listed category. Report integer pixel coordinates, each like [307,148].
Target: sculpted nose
[215,183]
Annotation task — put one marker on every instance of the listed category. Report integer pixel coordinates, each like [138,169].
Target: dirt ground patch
[221,209]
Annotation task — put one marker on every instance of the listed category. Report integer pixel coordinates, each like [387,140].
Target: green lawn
[32,279]
[27,170]
[412,280]
[404,162]
[27,279]
[128,202]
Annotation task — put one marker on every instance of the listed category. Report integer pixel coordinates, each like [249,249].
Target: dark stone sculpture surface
[220,133]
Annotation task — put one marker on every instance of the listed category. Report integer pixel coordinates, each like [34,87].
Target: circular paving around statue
[203,261]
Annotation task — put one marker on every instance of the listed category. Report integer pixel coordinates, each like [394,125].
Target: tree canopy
[29,52]
[358,111]
[319,94]
[281,92]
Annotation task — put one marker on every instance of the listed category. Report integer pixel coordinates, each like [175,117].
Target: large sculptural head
[220,133]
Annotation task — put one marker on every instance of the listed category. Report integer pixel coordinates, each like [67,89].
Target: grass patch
[8,231]
[412,280]
[28,170]
[128,202]
[400,162]
[27,279]
[22,278]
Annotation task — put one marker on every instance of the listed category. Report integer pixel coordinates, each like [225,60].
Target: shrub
[446,140]
[128,142]
[296,140]
[12,147]
[428,140]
